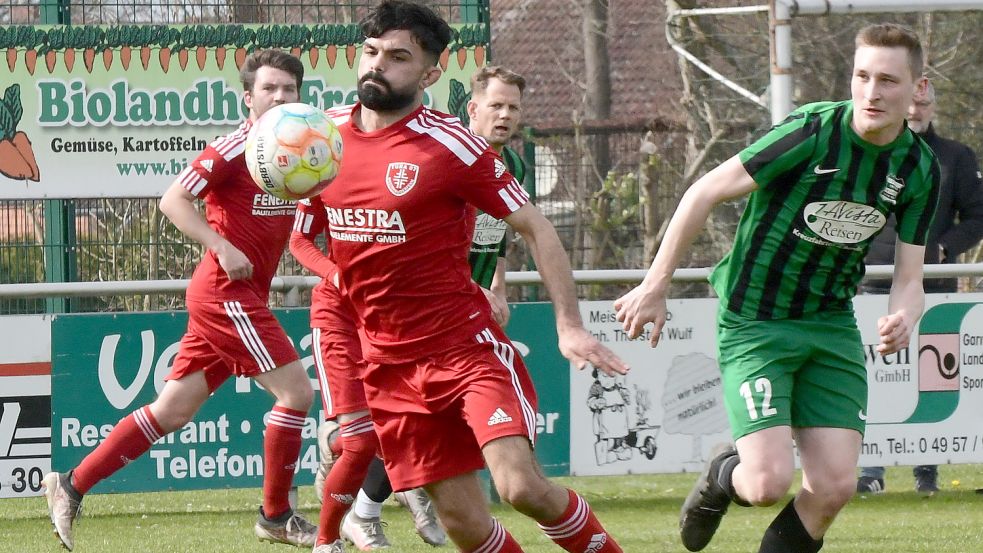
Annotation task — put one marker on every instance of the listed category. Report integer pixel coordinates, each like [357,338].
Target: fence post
[60,258]
[55,12]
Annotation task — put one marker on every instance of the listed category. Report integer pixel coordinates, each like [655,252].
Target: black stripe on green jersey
[908,167]
[823,194]
[814,256]
[783,183]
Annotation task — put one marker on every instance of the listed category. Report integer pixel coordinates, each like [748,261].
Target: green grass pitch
[641,511]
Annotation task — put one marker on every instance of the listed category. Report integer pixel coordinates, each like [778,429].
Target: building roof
[543,41]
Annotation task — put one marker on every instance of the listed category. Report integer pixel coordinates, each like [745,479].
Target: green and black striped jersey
[488,243]
[823,194]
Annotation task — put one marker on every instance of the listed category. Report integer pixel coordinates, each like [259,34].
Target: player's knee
[834,491]
[464,526]
[299,397]
[764,488]
[526,492]
[362,446]
[171,418]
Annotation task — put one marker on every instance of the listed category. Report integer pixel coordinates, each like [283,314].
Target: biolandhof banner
[90,111]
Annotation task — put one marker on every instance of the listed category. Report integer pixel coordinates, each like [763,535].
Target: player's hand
[499,307]
[894,333]
[639,307]
[234,262]
[582,349]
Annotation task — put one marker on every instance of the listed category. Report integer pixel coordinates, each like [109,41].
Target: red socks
[281,448]
[129,439]
[578,530]
[359,445]
[499,541]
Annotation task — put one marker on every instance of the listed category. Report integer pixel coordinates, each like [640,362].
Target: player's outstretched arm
[498,296]
[179,206]
[576,344]
[646,303]
[907,299]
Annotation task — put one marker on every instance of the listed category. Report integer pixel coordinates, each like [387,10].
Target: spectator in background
[957,227]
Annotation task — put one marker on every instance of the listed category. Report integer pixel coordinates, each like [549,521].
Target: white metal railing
[293,285]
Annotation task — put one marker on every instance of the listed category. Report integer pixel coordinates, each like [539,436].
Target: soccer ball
[293,151]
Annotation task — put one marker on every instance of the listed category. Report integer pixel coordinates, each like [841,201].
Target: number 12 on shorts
[762,386]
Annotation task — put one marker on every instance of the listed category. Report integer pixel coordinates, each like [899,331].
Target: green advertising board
[129,106]
[532,328]
[104,366]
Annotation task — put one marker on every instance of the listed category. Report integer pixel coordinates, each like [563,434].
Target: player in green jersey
[495,109]
[821,185]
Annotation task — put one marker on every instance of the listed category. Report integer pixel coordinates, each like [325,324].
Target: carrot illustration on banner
[17,159]
[220,53]
[125,55]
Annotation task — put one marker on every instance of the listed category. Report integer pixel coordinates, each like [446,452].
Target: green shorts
[806,372]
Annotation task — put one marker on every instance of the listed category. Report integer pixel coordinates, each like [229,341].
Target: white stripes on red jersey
[322,377]
[250,338]
[360,425]
[570,526]
[285,420]
[191,180]
[495,540]
[303,222]
[451,134]
[227,146]
[234,143]
[340,114]
[514,195]
[142,418]
[506,354]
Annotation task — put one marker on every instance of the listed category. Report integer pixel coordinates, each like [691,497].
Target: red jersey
[401,220]
[252,220]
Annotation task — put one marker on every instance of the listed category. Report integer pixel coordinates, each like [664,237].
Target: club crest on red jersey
[401,177]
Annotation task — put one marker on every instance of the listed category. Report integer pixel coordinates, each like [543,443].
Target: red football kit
[231,330]
[442,378]
[337,350]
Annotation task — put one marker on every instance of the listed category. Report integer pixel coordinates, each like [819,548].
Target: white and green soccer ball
[293,151]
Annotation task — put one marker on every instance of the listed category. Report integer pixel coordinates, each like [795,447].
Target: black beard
[376,99]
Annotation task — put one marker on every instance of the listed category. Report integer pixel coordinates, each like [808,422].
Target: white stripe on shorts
[250,338]
[322,376]
[506,354]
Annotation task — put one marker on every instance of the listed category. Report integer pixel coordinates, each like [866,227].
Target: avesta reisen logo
[293,151]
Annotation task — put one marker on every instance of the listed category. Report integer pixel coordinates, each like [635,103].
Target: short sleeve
[786,145]
[488,185]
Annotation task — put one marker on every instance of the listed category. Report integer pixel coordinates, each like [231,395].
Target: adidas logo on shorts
[498,417]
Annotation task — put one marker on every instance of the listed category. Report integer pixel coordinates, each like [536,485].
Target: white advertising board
[925,403]
[25,404]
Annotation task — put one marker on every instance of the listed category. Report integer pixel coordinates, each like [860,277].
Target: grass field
[641,511]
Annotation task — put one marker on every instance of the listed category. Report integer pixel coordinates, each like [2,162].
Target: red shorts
[338,356]
[240,338]
[435,414]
